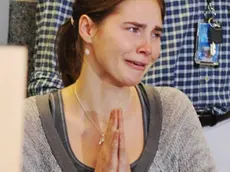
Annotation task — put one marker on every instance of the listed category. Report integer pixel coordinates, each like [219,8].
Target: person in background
[104,50]
[44,76]
[207,88]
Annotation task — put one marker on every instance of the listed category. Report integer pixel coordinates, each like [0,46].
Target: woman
[104,51]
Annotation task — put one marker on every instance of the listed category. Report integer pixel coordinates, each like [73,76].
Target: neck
[97,95]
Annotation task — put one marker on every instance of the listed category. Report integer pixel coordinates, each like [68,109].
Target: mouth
[141,66]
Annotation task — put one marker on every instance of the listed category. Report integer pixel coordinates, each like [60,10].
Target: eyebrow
[156,28]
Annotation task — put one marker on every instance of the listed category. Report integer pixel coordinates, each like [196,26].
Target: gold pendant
[102,139]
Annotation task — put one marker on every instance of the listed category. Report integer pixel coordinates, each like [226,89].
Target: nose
[145,49]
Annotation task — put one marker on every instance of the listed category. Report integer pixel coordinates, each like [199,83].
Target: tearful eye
[133,29]
[156,35]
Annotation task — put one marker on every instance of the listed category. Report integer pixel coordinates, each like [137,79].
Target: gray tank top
[57,111]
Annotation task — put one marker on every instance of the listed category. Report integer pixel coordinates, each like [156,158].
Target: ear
[87,28]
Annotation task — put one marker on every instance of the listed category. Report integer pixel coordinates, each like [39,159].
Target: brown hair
[70,44]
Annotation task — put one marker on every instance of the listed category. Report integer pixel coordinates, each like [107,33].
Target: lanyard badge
[208,40]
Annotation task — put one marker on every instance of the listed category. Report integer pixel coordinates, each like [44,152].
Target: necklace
[102,138]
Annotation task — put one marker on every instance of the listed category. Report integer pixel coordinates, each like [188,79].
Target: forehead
[143,11]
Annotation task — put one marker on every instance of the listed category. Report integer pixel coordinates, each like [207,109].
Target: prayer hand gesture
[113,156]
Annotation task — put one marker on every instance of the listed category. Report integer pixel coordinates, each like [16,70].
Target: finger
[114,150]
[123,163]
[110,146]
[120,120]
[111,120]
[111,128]
[121,129]
[114,126]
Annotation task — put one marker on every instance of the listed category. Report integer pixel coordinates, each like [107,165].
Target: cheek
[123,44]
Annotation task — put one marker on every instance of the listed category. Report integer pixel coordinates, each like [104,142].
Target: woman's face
[127,42]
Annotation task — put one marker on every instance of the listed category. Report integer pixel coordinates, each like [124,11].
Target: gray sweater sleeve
[37,154]
[194,154]
[182,145]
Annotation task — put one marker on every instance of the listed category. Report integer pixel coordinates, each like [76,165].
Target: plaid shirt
[51,14]
[207,88]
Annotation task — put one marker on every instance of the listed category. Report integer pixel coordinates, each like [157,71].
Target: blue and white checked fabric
[206,87]
[45,76]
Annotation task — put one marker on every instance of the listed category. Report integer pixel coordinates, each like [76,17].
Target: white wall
[4,18]
[218,138]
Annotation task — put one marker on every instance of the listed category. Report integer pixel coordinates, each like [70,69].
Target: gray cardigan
[181,144]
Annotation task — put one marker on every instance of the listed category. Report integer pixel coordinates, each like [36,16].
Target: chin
[132,81]
[129,79]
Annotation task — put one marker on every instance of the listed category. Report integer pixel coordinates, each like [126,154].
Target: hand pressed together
[113,156]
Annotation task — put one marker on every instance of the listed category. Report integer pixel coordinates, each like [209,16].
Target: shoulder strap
[52,136]
[155,123]
[154,100]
